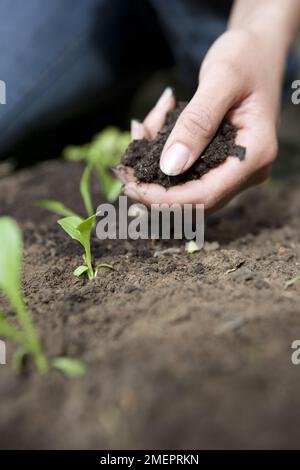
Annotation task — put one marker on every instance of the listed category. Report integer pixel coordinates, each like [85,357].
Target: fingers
[155,120]
[137,130]
[124,174]
[219,185]
[199,121]
[210,190]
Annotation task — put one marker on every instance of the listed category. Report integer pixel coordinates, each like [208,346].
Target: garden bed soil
[144,155]
[182,351]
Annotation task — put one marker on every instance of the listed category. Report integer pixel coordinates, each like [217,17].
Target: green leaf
[114,190]
[111,186]
[10,282]
[108,146]
[85,228]
[191,247]
[8,330]
[70,367]
[104,265]
[80,230]
[69,225]
[55,206]
[10,259]
[105,152]
[85,189]
[76,152]
[80,270]
[19,358]
[292,281]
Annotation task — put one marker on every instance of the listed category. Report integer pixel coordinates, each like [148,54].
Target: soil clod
[143,155]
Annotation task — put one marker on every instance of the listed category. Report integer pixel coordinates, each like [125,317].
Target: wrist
[273,24]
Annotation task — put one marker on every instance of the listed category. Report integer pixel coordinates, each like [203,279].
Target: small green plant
[191,247]
[59,208]
[100,155]
[25,333]
[292,281]
[103,153]
[80,230]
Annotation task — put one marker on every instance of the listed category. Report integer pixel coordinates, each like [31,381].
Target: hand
[238,79]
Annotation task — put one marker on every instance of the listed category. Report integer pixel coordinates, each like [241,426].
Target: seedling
[76,227]
[80,230]
[292,281]
[59,208]
[100,155]
[191,247]
[24,333]
[103,153]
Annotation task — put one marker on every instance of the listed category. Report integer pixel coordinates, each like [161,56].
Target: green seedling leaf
[292,281]
[10,282]
[69,225]
[80,270]
[111,186]
[85,229]
[103,152]
[70,367]
[85,189]
[102,266]
[76,153]
[80,230]
[9,331]
[19,358]
[191,247]
[55,206]
[108,146]
[10,259]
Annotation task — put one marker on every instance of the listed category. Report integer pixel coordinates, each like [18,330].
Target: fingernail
[164,97]
[136,129]
[175,159]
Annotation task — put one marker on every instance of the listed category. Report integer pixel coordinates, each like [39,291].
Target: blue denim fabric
[50,58]
[58,55]
[48,61]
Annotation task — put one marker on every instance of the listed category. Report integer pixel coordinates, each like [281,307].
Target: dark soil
[144,155]
[182,351]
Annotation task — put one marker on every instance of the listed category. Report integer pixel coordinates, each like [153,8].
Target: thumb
[197,124]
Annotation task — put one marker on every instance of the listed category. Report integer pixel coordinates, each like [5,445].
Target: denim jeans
[58,56]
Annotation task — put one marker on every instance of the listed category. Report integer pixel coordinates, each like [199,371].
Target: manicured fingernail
[164,97]
[136,128]
[175,159]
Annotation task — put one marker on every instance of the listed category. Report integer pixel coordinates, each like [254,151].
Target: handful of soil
[144,155]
